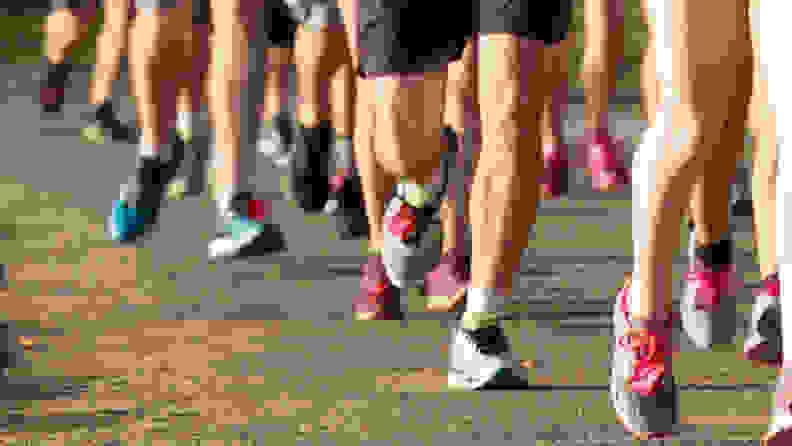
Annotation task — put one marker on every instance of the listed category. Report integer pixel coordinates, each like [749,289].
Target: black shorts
[201,8]
[412,36]
[75,4]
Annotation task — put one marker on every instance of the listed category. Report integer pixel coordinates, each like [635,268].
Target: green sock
[474,321]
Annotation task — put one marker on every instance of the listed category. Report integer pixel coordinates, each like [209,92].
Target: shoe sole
[244,247]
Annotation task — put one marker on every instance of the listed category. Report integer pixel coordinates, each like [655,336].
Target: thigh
[411,36]
[547,21]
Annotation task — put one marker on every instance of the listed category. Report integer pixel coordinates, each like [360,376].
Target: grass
[374,410]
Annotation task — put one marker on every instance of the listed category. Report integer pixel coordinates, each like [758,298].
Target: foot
[763,342]
[135,214]
[446,285]
[780,431]
[51,99]
[606,163]
[277,140]
[479,357]
[309,173]
[642,387]
[108,124]
[555,182]
[412,237]
[709,310]
[346,205]
[53,86]
[195,182]
[246,231]
[378,299]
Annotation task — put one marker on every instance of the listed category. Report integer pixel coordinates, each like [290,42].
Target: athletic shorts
[279,19]
[201,9]
[412,36]
[84,9]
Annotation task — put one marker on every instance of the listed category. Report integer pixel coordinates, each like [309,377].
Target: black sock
[719,253]
[691,226]
[57,74]
[104,112]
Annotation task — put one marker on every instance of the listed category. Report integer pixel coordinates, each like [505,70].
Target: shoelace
[709,285]
[403,223]
[649,362]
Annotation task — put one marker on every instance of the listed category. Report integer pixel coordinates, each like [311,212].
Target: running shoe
[195,181]
[709,307]
[106,123]
[642,387]
[445,286]
[480,358]
[347,206]
[246,230]
[763,342]
[780,432]
[51,99]
[53,87]
[310,168]
[136,213]
[276,140]
[378,298]
[555,181]
[413,236]
[606,163]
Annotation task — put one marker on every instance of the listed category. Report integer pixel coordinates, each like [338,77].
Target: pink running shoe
[606,163]
[555,181]
[378,299]
[444,287]
[642,387]
[763,342]
[780,431]
[709,311]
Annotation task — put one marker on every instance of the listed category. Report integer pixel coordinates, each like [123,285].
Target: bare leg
[110,45]
[697,112]
[504,195]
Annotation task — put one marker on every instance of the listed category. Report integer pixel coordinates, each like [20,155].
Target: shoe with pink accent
[555,180]
[763,342]
[606,163]
[780,431]
[444,287]
[709,307]
[378,299]
[642,387]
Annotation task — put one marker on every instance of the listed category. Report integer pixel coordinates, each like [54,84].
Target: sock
[419,195]
[146,150]
[184,123]
[483,306]
[57,73]
[224,199]
[104,112]
[345,155]
[718,253]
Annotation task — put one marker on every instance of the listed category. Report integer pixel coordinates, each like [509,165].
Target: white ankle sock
[146,150]
[184,120]
[485,300]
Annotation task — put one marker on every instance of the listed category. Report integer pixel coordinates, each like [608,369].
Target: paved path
[318,275]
